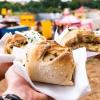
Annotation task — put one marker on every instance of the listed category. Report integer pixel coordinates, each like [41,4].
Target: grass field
[93,71]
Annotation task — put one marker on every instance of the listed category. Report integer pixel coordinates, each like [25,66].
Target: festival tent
[69,20]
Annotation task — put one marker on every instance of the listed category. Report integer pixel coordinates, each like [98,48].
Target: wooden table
[93,71]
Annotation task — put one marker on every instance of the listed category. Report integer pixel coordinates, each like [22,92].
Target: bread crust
[59,70]
[89,46]
[82,38]
[16,40]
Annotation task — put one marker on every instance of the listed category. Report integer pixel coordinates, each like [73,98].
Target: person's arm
[3,68]
[18,86]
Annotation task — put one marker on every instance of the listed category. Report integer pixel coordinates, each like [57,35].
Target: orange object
[47,28]
[27,20]
[4,11]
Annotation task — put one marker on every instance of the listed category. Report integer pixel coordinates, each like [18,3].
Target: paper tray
[58,92]
[63,92]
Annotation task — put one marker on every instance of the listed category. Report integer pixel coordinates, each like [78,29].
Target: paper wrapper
[5,57]
[33,36]
[2,40]
[92,54]
[58,92]
[59,39]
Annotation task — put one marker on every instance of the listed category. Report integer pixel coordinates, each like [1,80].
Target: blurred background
[47,16]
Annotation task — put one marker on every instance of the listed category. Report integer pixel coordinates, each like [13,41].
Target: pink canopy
[70,19]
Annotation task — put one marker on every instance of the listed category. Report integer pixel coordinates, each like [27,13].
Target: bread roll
[82,38]
[48,62]
[16,40]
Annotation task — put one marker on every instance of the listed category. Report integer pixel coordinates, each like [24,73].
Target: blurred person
[38,27]
[54,26]
[60,29]
[3,68]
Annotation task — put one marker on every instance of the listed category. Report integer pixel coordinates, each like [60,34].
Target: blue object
[1,34]
[13,30]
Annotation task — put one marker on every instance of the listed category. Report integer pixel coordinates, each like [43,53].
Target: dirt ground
[93,71]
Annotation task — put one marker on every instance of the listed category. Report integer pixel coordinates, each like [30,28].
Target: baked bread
[49,62]
[15,40]
[82,38]
[88,38]
[89,46]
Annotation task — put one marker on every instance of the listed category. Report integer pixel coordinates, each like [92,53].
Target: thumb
[13,78]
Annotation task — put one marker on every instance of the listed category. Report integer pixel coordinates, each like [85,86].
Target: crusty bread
[16,40]
[77,36]
[89,46]
[82,38]
[48,62]
[88,38]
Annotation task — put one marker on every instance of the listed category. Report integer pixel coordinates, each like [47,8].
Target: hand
[18,86]
[3,68]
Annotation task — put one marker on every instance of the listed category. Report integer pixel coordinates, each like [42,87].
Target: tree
[82,1]
[52,3]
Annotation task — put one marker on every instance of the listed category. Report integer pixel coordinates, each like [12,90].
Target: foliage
[49,5]
[74,5]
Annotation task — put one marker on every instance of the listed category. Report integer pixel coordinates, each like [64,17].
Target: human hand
[18,86]
[3,68]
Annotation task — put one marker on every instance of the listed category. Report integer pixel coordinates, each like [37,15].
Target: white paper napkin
[58,92]
[63,92]
[20,54]
[91,54]
[3,39]
[6,58]
[59,39]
